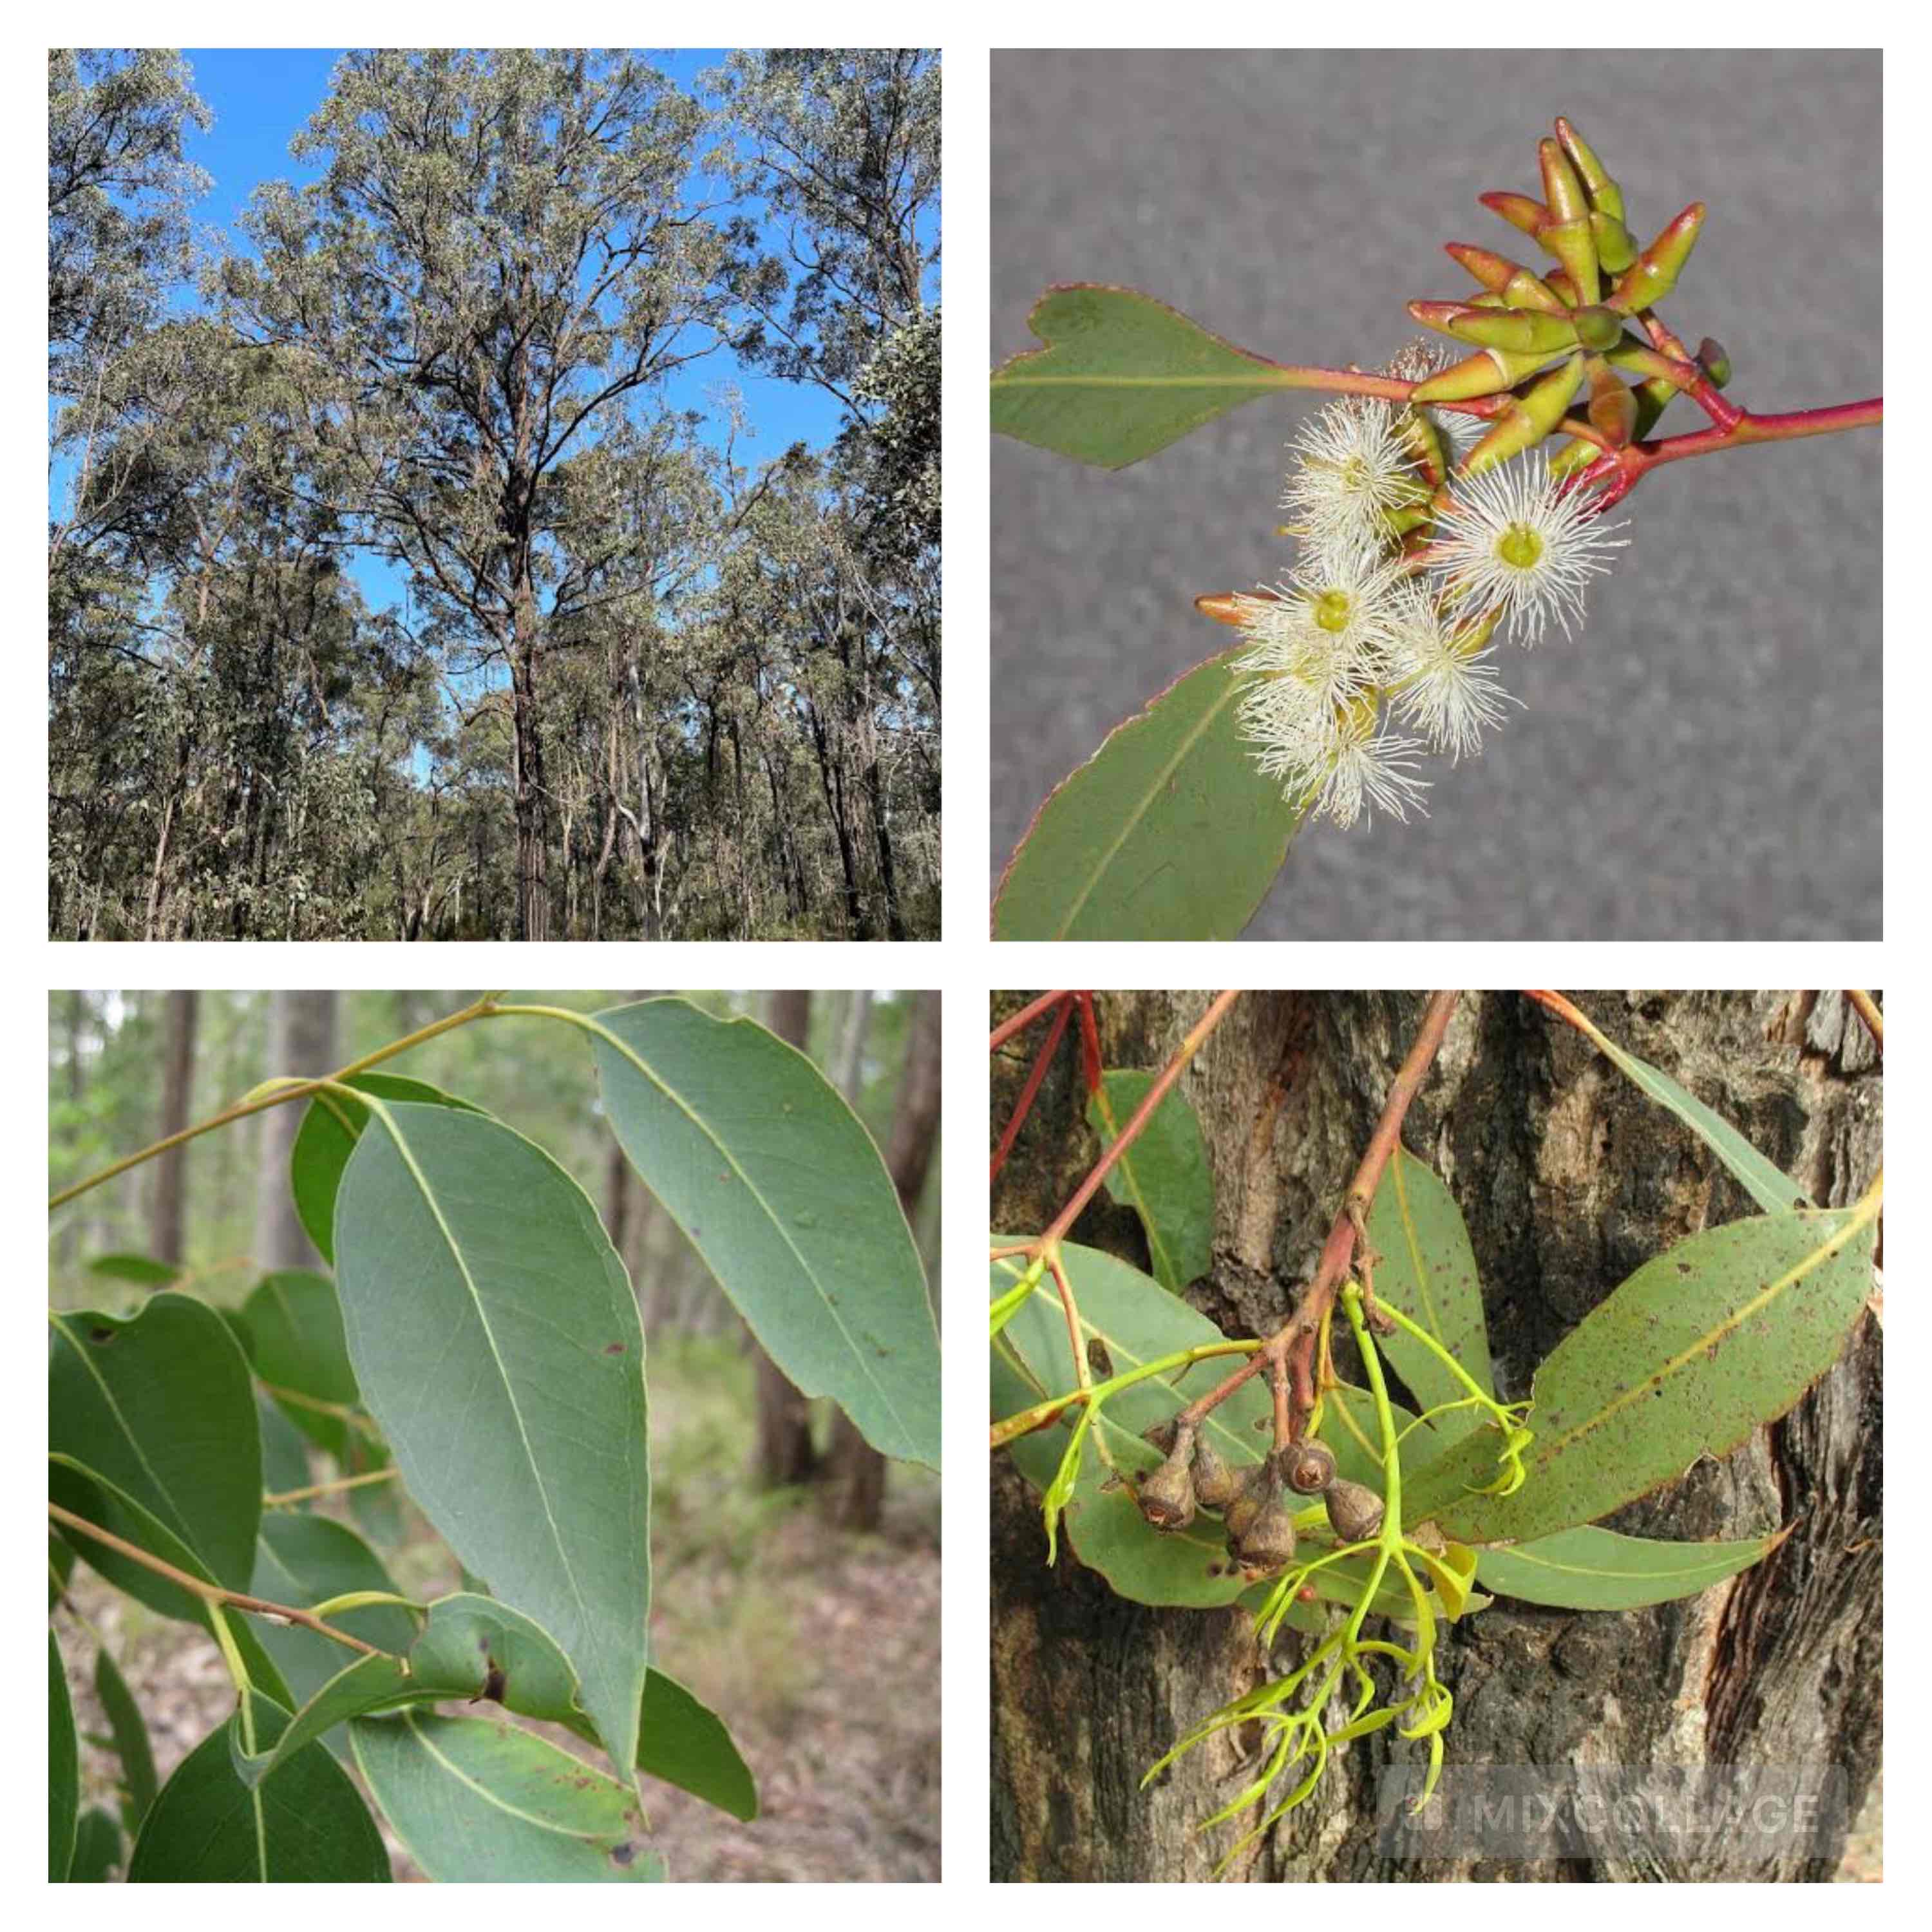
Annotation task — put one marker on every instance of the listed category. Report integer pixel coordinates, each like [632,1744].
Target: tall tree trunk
[301,1041]
[1569,1178]
[858,1469]
[181,1013]
[785,1452]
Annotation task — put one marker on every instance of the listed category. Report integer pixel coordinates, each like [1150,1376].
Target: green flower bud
[1485,374]
[1562,187]
[1531,417]
[1613,408]
[1598,327]
[1654,274]
[1604,193]
[1499,276]
[1714,362]
[1616,250]
[1514,329]
[1518,210]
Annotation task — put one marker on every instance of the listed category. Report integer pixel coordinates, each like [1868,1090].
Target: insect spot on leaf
[614,1348]
[101,1335]
[622,1854]
[1098,1359]
[1683,1268]
[493,1684]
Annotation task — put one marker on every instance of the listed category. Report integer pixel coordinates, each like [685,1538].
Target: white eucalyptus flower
[1441,678]
[1330,759]
[1352,469]
[1327,627]
[1513,543]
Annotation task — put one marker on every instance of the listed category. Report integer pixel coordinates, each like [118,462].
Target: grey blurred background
[1703,762]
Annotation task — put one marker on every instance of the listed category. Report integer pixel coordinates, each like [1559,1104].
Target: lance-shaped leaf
[143,1270]
[161,1406]
[1164,1176]
[1592,1569]
[1168,832]
[207,1827]
[778,1185]
[1427,1269]
[1122,376]
[1713,1337]
[1773,1191]
[130,1731]
[1130,1320]
[95,1500]
[284,1454]
[482,1801]
[63,1769]
[495,1338]
[327,1137]
[686,1743]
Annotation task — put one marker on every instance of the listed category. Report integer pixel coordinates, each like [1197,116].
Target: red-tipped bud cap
[1518,210]
[1562,188]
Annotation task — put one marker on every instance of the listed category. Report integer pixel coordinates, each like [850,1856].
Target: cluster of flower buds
[1423,541]
[1255,1503]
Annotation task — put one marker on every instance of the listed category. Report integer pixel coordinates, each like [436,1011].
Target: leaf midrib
[489,1797]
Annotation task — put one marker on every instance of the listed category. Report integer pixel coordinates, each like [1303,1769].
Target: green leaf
[97,1847]
[483,1802]
[1773,1191]
[326,1138]
[142,1269]
[129,1730]
[60,1566]
[686,1744]
[1592,1569]
[495,1338]
[63,1769]
[1121,376]
[1428,1270]
[1168,832]
[161,1406]
[1135,1321]
[207,1827]
[91,1497]
[293,1323]
[304,1560]
[284,1454]
[761,1162]
[1164,1176]
[1713,1338]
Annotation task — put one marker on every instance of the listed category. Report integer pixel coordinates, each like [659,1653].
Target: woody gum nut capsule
[1603,192]
[1254,1492]
[1485,374]
[1531,418]
[1167,1496]
[1269,1543]
[1311,1467]
[1654,274]
[1214,1483]
[1354,1511]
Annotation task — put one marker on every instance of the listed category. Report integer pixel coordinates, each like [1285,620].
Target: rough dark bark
[302,1042]
[858,1469]
[785,1453]
[1568,1178]
[166,1238]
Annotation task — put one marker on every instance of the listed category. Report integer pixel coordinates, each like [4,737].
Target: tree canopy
[392,592]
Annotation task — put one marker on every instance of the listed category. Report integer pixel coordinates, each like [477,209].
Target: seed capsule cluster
[1255,1503]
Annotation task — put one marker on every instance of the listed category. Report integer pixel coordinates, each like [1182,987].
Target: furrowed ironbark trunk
[1569,1178]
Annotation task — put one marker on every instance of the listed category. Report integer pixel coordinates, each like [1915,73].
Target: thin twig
[210,1593]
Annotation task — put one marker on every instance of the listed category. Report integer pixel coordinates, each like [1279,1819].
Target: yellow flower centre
[1520,546]
[1333,610]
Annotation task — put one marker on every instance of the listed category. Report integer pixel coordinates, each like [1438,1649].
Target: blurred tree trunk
[1569,1179]
[180,1016]
[785,1452]
[302,1037]
[858,1469]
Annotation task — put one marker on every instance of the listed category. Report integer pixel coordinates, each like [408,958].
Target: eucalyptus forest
[523,523]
